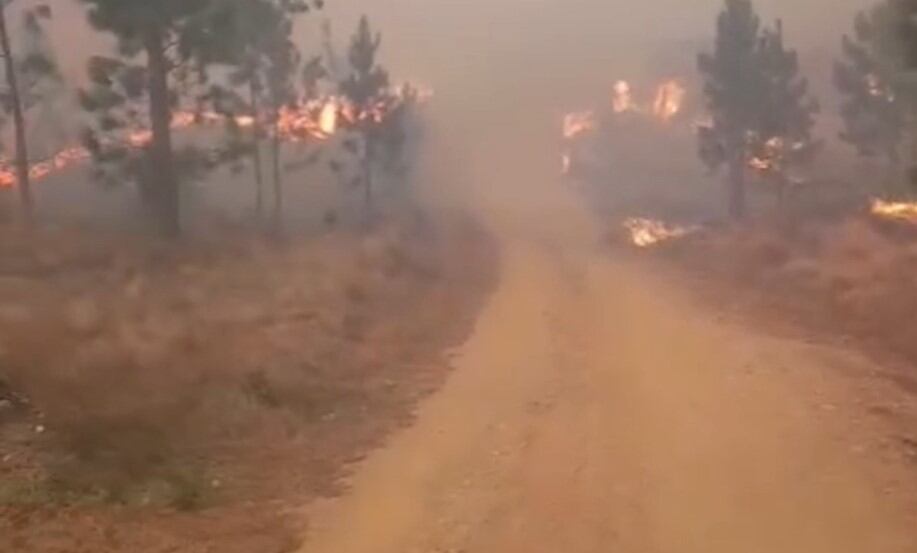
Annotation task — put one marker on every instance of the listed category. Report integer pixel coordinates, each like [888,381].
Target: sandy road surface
[595,411]
[597,408]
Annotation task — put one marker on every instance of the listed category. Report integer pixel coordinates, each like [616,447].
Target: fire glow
[622,100]
[670,97]
[577,123]
[667,100]
[312,120]
[895,211]
[645,233]
[666,103]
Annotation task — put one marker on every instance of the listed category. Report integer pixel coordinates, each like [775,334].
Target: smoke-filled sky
[435,32]
[505,71]
[585,43]
[565,51]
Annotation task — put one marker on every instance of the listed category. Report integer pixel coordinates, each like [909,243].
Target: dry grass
[171,377]
[853,276]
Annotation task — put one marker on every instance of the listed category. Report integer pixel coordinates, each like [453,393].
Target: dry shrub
[113,420]
[152,358]
[852,276]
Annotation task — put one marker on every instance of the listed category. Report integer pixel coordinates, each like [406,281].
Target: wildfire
[877,89]
[577,123]
[622,100]
[645,233]
[328,118]
[898,211]
[317,119]
[774,153]
[45,167]
[566,164]
[670,96]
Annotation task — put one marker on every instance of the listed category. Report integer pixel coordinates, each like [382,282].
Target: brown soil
[160,398]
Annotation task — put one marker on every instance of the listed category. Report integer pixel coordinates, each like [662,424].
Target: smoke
[505,71]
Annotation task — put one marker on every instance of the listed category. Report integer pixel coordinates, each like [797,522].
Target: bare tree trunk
[367,168]
[22,154]
[256,154]
[161,154]
[780,182]
[894,176]
[277,175]
[737,207]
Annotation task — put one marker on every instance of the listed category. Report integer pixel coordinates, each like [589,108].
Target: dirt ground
[159,399]
[600,407]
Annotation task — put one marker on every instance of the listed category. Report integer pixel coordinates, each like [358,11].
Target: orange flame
[318,119]
[577,123]
[645,233]
[621,99]
[896,211]
[670,96]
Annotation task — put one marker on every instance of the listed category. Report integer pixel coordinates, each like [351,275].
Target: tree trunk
[781,184]
[22,154]
[736,185]
[367,168]
[160,151]
[893,176]
[277,176]
[256,154]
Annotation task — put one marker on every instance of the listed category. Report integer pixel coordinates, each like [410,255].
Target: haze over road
[596,408]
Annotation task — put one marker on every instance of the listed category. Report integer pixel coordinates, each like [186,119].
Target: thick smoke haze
[505,71]
[442,36]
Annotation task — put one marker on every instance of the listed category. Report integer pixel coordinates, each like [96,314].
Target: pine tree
[762,113]
[869,76]
[734,89]
[25,72]
[265,61]
[366,85]
[171,34]
[783,140]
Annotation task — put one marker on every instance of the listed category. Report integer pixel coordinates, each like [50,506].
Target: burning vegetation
[827,239]
[645,233]
[896,211]
[315,120]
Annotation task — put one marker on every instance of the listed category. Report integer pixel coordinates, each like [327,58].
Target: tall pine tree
[264,61]
[869,75]
[159,42]
[364,87]
[734,89]
[25,71]
[762,113]
[783,140]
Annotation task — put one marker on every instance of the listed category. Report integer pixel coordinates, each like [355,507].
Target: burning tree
[761,111]
[869,76]
[25,71]
[783,141]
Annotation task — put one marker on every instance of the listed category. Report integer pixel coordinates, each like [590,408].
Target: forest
[326,276]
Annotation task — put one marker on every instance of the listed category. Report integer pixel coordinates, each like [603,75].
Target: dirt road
[595,410]
[598,408]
